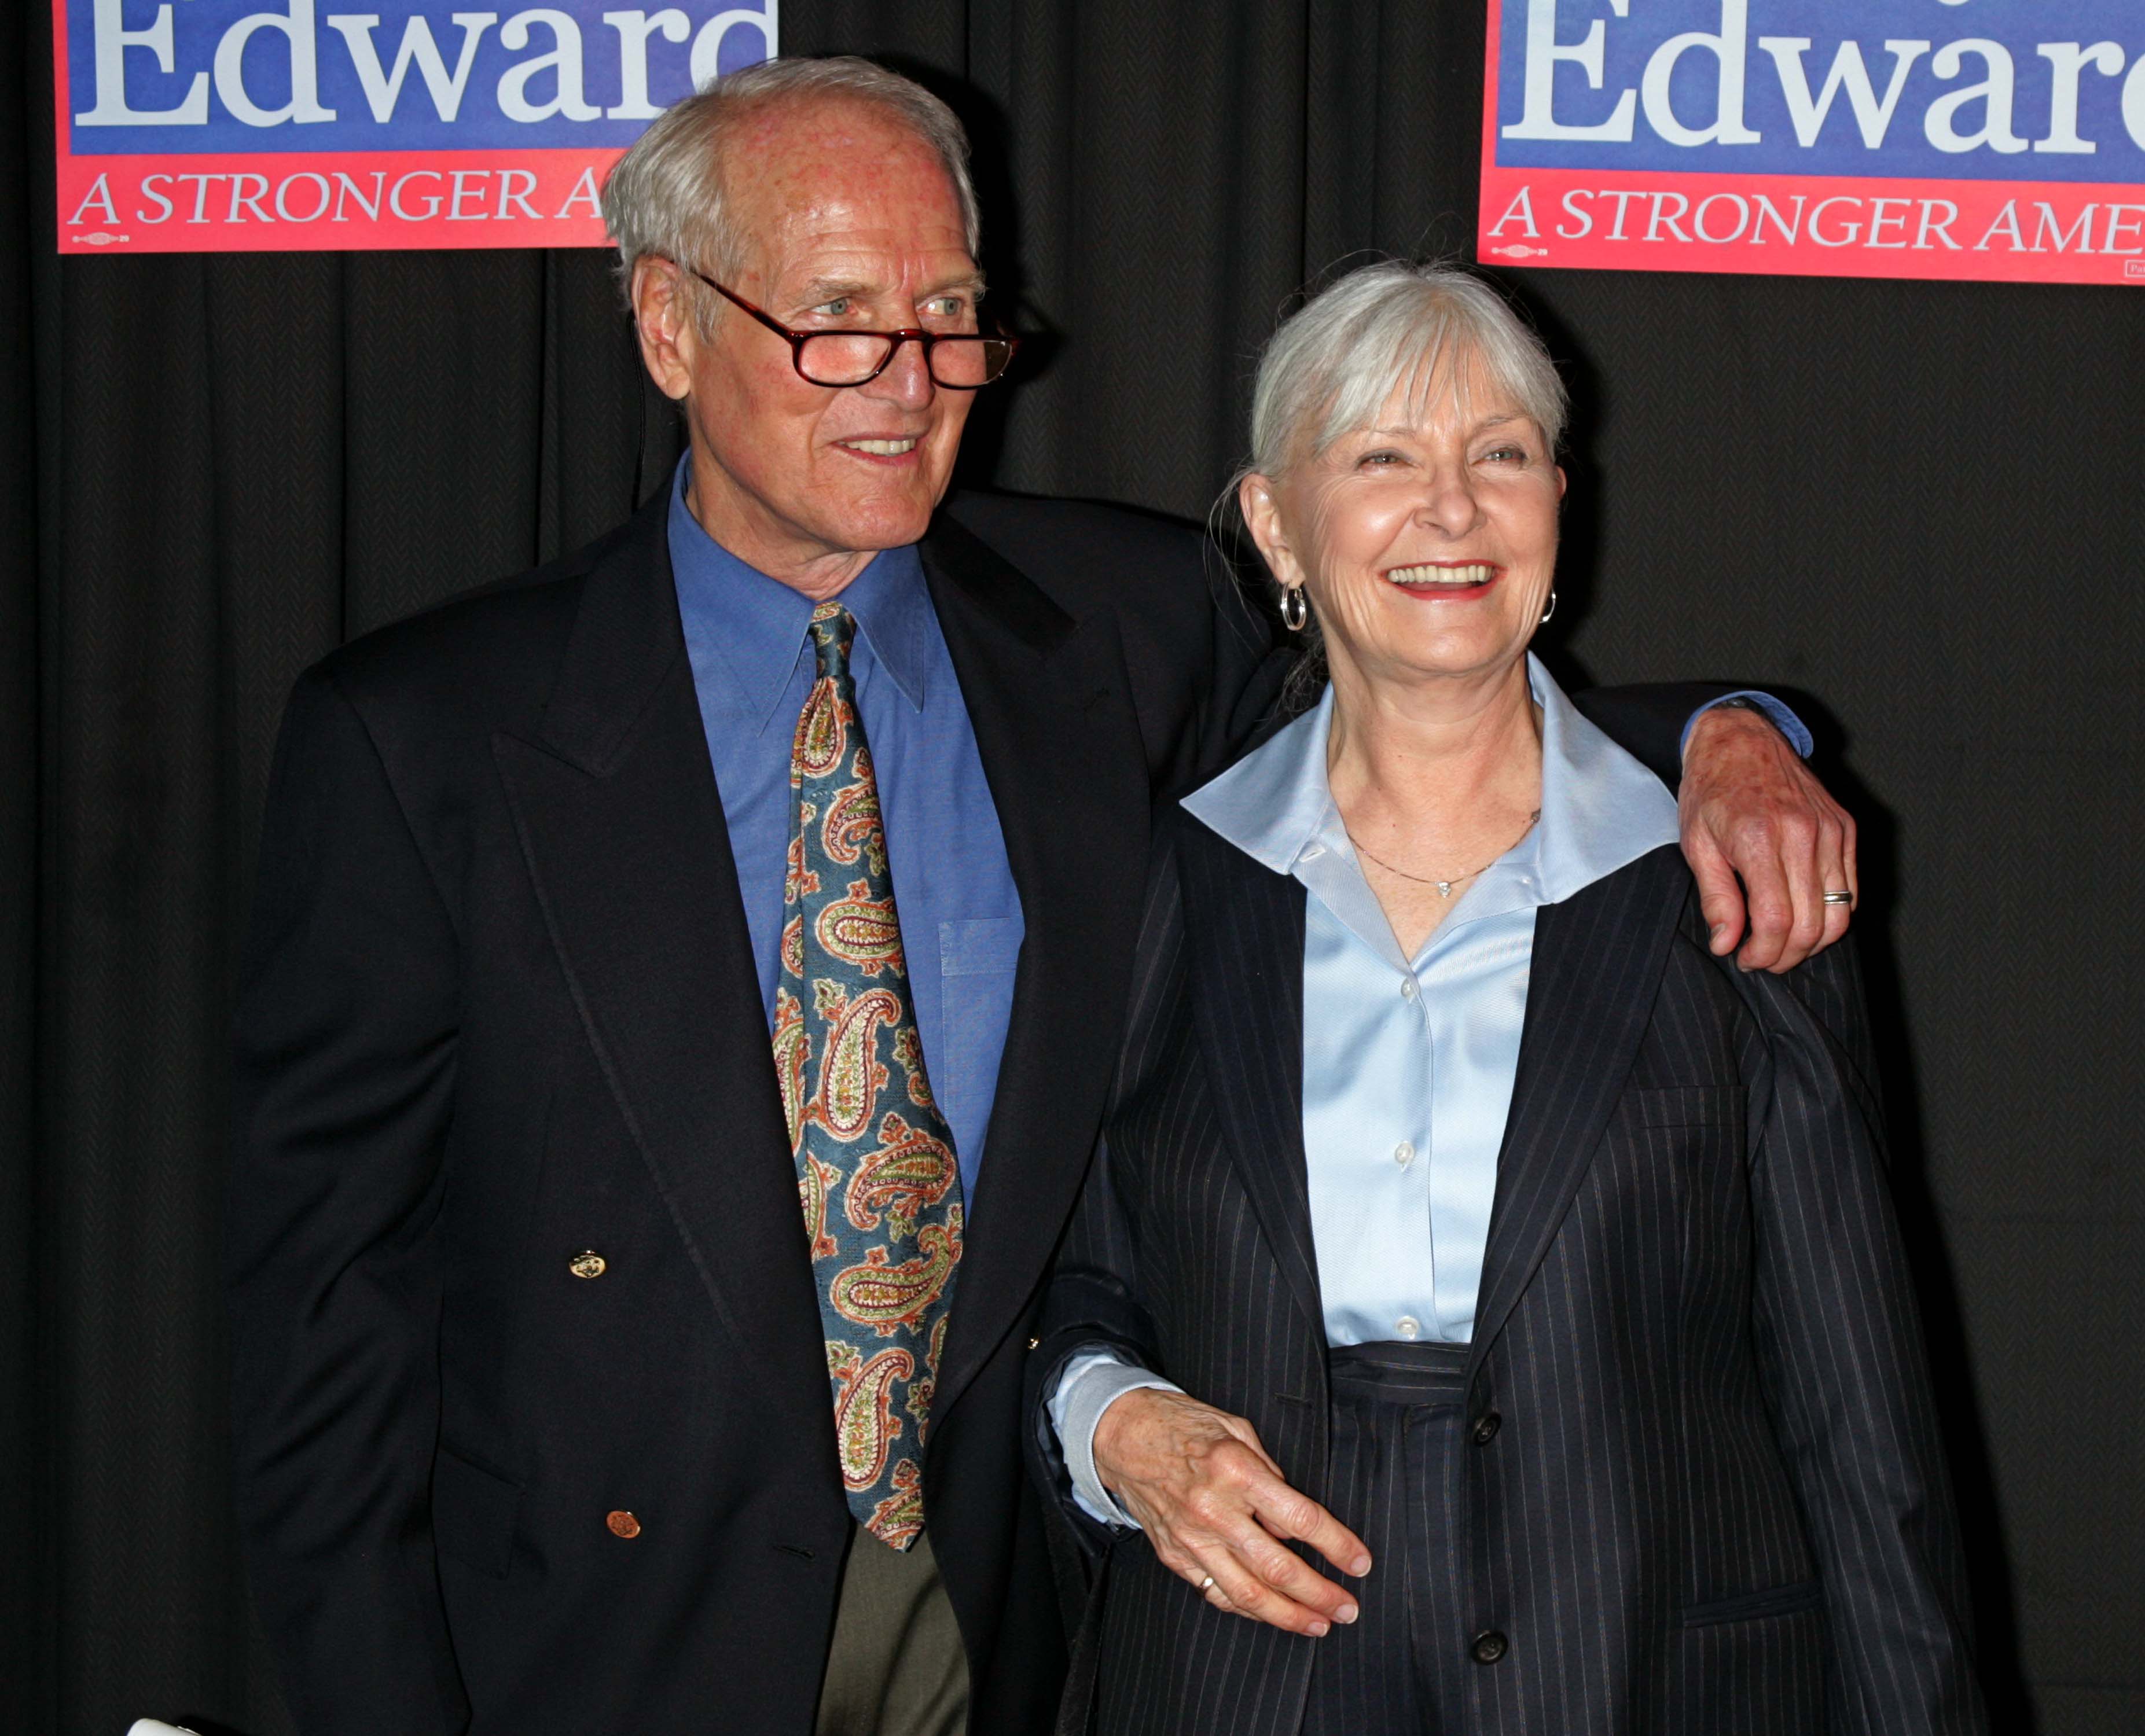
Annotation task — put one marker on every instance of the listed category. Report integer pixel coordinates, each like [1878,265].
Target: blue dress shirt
[1408,1064]
[961,924]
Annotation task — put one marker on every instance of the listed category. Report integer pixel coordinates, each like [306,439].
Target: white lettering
[2006,223]
[99,194]
[150,192]
[313,215]
[584,192]
[108,30]
[296,26]
[1849,73]
[707,55]
[1585,218]
[1729,53]
[1824,206]
[1520,211]
[431,200]
[1993,93]
[1766,208]
[1933,225]
[2135,227]
[2048,229]
[1655,224]
[509,194]
[2069,60]
[455,214]
[563,63]
[1878,217]
[246,190]
[1742,218]
[346,188]
[1622,204]
[382,91]
[633,30]
[1537,117]
[201,194]
[2133,103]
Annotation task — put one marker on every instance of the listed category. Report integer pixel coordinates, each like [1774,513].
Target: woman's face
[1428,542]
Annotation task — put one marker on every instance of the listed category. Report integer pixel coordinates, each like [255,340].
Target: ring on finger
[1206,1583]
[1839,898]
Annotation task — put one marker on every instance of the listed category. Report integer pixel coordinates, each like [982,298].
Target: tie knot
[833,629]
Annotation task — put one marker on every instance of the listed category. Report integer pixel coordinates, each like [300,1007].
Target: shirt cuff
[1781,716]
[1087,1385]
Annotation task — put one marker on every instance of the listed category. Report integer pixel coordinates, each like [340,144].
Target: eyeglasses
[961,360]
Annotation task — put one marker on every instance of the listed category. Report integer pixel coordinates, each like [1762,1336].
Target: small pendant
[1444,887]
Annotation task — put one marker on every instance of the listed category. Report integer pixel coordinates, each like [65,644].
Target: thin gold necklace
[1444,886]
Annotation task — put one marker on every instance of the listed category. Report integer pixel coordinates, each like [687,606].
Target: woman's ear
[1262,511]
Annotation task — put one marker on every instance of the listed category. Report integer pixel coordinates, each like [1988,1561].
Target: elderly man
[781,849]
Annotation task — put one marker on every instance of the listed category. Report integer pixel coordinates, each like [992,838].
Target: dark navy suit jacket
[1704,1488]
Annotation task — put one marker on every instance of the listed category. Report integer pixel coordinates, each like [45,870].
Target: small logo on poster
[2134,269]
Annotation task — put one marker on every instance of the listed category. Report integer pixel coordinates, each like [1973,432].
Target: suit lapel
[1054,726]
[1246,925]
[623,830]
[1598,959]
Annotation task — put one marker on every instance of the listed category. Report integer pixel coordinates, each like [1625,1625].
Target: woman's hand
[1215,1507]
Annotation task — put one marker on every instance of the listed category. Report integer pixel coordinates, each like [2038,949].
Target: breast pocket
[978,959]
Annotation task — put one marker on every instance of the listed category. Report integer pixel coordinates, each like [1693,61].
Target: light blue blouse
[1408,1064]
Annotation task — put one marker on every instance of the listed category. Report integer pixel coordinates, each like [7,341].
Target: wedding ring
[1839,898]
[1206,1583]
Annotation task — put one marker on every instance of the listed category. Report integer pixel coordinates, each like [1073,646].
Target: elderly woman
[1461,1220]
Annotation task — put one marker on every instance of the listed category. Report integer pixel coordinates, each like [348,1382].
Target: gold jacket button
[1033,1342]
[587,1264]
[623,1525]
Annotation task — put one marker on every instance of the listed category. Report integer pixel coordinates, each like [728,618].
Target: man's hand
[1214,1506]
[1749,806]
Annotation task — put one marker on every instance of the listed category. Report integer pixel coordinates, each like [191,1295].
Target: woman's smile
[1445,581]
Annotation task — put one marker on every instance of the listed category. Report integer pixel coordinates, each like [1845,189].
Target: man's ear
[1255,500]
[663,321]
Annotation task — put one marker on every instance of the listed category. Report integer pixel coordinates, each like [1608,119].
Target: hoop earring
[1550,610]
[1294,609]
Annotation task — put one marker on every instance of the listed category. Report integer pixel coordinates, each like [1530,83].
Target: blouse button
[1408,1326]
[1407,989]
[1404,1154]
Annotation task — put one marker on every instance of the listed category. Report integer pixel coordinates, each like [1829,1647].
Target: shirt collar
[1601,808]
[762,622]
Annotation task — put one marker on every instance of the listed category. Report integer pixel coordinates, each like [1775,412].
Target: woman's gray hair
[665,196]
[1336,361]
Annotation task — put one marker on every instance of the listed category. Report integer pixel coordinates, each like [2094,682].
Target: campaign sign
[216,125]
[1989,139]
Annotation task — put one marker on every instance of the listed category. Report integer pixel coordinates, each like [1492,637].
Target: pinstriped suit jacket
[1716,1500]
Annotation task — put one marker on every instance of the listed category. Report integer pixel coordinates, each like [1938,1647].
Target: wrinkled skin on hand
[1218,1510]
[1750,809]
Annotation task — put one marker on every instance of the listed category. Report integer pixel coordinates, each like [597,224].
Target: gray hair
[1335,363]
[665,197]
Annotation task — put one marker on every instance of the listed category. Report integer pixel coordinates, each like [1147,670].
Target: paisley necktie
[875,1165]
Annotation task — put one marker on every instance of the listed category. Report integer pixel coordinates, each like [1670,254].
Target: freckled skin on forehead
[851,221]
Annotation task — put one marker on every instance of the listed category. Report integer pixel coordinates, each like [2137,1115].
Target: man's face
[852,222]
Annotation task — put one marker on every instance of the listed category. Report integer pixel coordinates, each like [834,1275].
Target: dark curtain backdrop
[1920,503]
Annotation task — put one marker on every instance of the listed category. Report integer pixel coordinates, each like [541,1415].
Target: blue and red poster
[1985,139]
[213,126]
